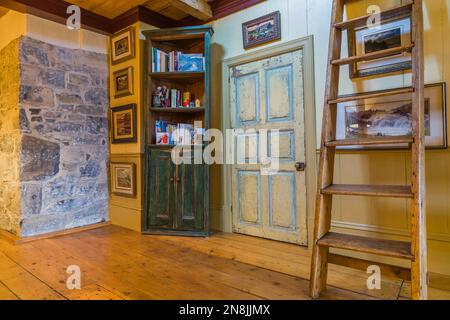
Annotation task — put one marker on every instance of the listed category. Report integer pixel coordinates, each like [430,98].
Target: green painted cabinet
[176,196]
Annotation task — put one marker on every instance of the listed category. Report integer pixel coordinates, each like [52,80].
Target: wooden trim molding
[223,8]
[16,240]
[142,14]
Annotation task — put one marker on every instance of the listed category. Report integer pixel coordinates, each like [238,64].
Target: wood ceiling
[173,9]
[109,16]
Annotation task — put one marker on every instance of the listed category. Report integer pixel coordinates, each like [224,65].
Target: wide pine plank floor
[120,264]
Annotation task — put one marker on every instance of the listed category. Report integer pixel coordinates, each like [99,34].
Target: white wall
[58,34]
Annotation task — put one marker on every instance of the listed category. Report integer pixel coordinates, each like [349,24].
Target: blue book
[190,62]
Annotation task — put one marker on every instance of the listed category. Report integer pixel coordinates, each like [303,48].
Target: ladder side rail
[322,222]
[418,219]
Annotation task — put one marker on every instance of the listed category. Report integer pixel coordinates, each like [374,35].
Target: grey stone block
[39,159]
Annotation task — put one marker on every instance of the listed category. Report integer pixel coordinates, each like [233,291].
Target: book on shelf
[170,133]
[177,61]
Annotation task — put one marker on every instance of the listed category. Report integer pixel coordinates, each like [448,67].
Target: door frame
[307,45]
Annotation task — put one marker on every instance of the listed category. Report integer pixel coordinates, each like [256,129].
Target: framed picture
[262,30]
[122,46]
[123,124]
[391,116]
[389,35]
[123,82]
[123,179]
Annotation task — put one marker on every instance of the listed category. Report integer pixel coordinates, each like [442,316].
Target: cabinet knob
[171,180]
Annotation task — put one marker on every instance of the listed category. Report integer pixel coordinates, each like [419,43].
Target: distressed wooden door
[267,96]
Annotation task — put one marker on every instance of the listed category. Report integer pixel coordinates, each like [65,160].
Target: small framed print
[123,82]
[122,46]
[391,116]
[123,124]
[262,30]
[123,179]
[389,35]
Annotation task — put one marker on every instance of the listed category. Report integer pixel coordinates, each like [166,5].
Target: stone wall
[9,138]
[62,112]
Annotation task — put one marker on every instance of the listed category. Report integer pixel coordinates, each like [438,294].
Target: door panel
[249,197]
[161,191]
[190,196]
[266,102]
[279,94]
[247,104]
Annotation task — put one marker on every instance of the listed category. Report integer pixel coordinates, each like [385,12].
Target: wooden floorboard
[120,264]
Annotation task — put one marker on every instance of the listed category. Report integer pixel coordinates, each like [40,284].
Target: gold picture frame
[124,124]
[123,179]
[123,46]
[123,82]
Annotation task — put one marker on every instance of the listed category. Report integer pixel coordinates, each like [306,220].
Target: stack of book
[176,61]
[169,133]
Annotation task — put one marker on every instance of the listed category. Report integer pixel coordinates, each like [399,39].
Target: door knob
[300,166]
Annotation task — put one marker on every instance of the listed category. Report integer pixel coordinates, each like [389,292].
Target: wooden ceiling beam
[199,9]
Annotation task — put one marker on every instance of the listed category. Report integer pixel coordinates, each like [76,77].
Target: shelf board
[178,110]
[189,76]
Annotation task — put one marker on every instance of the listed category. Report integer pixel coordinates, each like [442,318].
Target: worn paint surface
[268,94]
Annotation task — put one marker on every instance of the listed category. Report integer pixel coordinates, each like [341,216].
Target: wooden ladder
[415,251]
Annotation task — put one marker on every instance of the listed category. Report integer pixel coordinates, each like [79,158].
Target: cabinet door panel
[161,193]
[191,197]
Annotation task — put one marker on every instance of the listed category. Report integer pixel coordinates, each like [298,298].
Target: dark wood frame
[188,37]
[134,182]
[384,148]
[353,67]
[276,16]
[123,93]
[133,109]
[131,30]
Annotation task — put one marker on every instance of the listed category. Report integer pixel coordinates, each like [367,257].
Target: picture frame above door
[262,30]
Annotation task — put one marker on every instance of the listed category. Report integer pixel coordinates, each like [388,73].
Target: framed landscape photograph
[123,82]
[391,116]
[122,46]
[123,179]
[123,124]
[390,35]
[262,30]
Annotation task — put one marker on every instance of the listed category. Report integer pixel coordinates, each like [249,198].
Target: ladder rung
[398,11]
[369,190]
[389,248]
[371,95]
[360,264]
[371,141]
[373,55]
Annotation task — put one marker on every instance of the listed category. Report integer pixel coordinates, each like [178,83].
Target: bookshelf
[176,196]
